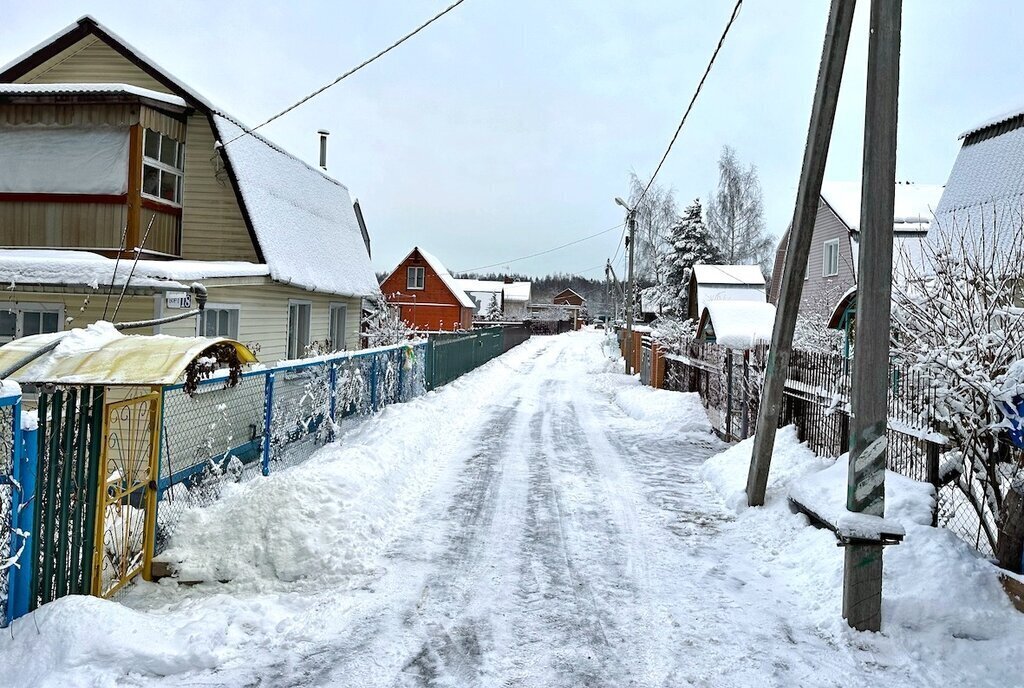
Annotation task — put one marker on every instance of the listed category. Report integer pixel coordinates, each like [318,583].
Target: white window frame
[415,275]
[19,308]
[178,172]
[200,330]
[824,258]
[309,330]
[334,307]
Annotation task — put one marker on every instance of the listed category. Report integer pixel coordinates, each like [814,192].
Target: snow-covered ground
[543,521]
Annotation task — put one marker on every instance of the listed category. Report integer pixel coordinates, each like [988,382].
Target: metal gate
[70,425]
[126,515]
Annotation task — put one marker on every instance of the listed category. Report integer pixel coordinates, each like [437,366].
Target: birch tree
[736,215]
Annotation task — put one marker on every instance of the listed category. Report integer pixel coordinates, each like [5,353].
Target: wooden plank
[1014,590]
[133,235]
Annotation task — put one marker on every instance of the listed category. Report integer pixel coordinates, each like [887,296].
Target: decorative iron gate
[126,515]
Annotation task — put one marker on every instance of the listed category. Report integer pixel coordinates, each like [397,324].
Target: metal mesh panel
[272,419]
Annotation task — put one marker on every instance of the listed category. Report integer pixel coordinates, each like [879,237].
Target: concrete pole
[862,572]
[819,135]
[630,240]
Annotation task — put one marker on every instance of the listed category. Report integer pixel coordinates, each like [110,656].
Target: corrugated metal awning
[103,356]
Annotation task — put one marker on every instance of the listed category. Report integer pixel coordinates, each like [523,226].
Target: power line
[541,253]
[700,85]
[352,71]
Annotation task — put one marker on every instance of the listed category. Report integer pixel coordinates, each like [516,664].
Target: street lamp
[631,230]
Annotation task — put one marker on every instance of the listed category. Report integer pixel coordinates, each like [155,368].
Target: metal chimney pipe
[323,148]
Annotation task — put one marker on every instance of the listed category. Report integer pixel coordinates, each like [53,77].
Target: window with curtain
[299,317]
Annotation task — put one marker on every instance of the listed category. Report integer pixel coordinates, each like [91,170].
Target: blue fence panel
[273,418]
[18,458]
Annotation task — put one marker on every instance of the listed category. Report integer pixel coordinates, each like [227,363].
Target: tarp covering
[100,355]
[70,160]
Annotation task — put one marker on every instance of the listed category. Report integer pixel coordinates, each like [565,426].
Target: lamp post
[630,231]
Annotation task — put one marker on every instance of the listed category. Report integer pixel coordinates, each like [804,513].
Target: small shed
[737,325]
[724,283]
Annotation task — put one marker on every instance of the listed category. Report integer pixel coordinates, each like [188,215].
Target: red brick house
[427,295]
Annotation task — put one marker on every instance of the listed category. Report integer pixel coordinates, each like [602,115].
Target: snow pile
[942,603]
[824,493]
[682,412]
[9,388]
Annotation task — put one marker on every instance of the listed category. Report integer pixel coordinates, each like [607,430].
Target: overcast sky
[506,128]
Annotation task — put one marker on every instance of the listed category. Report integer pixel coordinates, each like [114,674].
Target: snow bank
[942,603]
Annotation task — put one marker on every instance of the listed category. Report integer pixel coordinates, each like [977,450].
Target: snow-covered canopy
[100,355]
[914,207]
[303,220]
[737,324]
[84,269]
[100,89]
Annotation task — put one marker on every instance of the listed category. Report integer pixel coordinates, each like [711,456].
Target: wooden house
[832,261]
[428,297]
[104,151]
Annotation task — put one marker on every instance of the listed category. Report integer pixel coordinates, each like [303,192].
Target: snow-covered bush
[383,324]
[957,324]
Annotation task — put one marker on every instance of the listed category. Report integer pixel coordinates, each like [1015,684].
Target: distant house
[427,296]
[103,151]
[723,283]
[566,305]
[512,297]
[567,297]
[832,261]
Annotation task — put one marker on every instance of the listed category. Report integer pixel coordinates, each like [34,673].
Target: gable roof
[441,271]
[566,292]
[301,221]
[913,209]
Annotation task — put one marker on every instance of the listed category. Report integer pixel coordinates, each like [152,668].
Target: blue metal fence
[273,418]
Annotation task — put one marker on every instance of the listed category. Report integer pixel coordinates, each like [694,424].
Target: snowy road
[540,522]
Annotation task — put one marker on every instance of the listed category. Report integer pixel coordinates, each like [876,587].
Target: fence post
[25,467]
[268,420]
[332,382]
[933,477]
[373,382]
[402,355]
[728,394]
[745,408]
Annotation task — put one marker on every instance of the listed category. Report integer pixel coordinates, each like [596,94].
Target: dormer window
[163,165]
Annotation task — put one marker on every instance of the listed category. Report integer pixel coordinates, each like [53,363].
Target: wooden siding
[86,308]
[93,61]
[821,293]
[263,317]
[432,308]
[78,114]
[64,225]
[212,223]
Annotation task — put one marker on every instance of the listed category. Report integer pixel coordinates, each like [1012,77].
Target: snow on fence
[271,419]
[816,400]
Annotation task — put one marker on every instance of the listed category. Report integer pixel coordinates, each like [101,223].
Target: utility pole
[819,135]
[862,570]
[630,235]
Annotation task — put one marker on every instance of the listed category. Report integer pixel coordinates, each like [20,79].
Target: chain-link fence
[273,418]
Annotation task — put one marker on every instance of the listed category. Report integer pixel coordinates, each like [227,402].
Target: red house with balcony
[427,295]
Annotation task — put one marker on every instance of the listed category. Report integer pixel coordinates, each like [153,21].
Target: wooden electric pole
[819,135]
[862,572]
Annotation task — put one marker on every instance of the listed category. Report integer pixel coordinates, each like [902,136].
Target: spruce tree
[689,244]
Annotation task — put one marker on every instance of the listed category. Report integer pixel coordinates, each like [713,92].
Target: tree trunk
[1010,545]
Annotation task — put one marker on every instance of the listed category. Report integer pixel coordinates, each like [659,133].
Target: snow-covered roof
[303,219]
[985,190]
[511,291]
[70,89]
[738,324]
[708,293]
[442,272]
[913,209]
[992,121]
[728,274]
[82,268]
